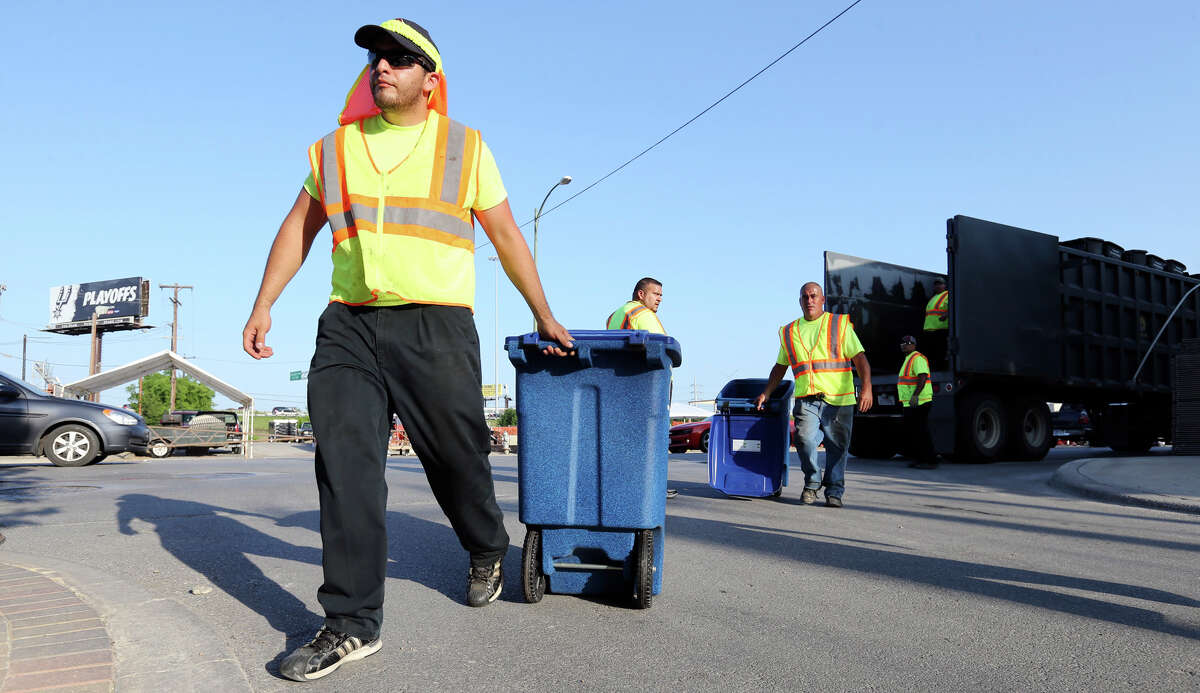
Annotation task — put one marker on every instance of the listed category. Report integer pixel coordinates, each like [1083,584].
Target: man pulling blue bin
[592,462]
[748,447]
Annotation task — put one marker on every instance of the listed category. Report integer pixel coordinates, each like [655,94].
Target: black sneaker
[808,496]
[833,501]
[671,493]
[327,651]
[484,584]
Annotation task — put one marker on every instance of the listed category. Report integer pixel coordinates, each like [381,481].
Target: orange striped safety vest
[935,309]
[909,377]
[820,368]
[419,249]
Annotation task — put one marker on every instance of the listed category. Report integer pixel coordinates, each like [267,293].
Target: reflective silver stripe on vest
[428,218]
[829,365]
[456,139]
[835,336]
[333,193]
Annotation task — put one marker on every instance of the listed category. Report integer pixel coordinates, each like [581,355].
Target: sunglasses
[398,60]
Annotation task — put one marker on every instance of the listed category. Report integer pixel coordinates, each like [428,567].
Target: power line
[693,118]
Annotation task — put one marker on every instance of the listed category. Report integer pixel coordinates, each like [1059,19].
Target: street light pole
[565,180]
[496,345]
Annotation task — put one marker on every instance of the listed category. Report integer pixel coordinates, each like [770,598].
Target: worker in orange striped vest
[915,391]
[937,323]
[640,313]
[821,349]
[400,185]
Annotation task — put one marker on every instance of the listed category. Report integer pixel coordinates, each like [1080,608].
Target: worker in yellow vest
[937,323]
[400,186]
[915,390]
[640,313]
[821,348]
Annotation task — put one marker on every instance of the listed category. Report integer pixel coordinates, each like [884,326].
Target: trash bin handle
[583,352]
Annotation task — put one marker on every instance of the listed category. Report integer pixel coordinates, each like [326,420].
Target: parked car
[694,435]
[690,436]
[1071,425]
[70,433]
[305,431]
[285,411]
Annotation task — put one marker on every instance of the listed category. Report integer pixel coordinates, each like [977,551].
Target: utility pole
[695,390]
[174,330]
[94,365]
[24,353]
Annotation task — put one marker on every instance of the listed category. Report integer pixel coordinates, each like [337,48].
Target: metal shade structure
[680,410]
[162,361]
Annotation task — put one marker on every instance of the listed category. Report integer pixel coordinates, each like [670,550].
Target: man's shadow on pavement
[208,540]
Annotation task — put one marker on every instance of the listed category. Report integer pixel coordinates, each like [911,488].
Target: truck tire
[71,446]
[982,428]
[1030,433]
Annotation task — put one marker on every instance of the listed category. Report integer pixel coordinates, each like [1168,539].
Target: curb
[157,643]
[1070,477]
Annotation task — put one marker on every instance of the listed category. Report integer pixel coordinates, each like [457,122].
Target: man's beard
[395,100]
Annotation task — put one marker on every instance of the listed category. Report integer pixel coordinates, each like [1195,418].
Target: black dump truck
[1032,320]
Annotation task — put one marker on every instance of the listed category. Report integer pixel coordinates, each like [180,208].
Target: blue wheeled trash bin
[592,436]
[748,448]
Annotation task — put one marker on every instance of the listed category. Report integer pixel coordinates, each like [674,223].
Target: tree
[508,417]
[156,395]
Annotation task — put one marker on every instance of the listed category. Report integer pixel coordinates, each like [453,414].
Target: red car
[694,435]
[690,436]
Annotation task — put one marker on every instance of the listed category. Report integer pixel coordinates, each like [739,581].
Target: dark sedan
[70,433]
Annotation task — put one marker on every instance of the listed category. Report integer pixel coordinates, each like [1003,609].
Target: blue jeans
[817,421]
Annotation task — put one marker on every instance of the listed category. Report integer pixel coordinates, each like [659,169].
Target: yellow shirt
[644,319]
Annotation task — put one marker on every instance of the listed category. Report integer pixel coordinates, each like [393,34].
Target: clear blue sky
[167,141]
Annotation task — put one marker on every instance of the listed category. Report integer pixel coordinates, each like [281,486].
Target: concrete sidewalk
[1166,482]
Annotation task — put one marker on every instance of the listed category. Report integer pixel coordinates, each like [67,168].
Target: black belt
[813,398]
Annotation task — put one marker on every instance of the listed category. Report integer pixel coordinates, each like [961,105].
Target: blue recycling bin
[592,461]
[747,447]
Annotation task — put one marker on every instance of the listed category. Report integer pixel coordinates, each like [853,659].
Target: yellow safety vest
[635,316]
[820,368]
[914,365]
[419,249]
[936,309]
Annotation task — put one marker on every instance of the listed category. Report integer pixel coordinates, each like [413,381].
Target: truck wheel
[1030,433]
[71,446]
[158,449]
[982,428]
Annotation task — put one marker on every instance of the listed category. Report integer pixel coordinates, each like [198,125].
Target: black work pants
[933,345]
[916,425]
[421,363]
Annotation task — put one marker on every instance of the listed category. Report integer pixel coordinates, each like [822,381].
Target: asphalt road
[978,578]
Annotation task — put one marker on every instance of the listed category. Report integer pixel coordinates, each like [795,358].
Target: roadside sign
[296,375]
[490,390]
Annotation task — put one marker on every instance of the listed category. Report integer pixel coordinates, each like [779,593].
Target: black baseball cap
[381,38]
[908,339]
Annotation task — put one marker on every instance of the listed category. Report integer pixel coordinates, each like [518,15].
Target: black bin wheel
[533,580]
[643,553]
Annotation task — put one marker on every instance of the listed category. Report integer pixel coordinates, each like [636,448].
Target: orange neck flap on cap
[360,103]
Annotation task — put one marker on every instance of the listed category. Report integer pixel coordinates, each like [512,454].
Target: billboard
[115,298]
